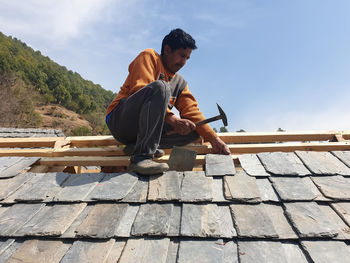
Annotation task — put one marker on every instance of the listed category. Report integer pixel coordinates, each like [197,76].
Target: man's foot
[129,150]
[148,167]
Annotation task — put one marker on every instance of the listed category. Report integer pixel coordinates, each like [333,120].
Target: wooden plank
[145,251]
[88,251]
[16,216]
[28,142]
[251,137]
[52,220]
[242,187]
[165,187]
[208,220]
[79,141]
[102,221]
[113,187]
[77,187]
[219,165]
[152,219]
[40,251]
[309,220]
[196,187]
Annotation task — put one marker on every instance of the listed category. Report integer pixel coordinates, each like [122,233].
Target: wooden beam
[28,152]
[288,147]
[254,137]
[101,161]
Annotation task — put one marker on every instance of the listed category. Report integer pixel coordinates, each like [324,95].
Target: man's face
[175,60]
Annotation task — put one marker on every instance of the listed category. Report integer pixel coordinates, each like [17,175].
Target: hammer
[221,116]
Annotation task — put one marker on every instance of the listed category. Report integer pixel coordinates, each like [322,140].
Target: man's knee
[161,86]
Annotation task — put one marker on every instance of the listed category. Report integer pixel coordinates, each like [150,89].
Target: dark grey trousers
[139,120]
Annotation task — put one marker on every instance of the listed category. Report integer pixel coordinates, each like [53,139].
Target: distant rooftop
[29,132]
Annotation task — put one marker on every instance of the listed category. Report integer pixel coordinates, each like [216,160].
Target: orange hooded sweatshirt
[148,67]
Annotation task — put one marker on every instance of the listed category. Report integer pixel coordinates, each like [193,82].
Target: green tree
[223,129]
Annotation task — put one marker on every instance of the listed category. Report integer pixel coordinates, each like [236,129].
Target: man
[140,115]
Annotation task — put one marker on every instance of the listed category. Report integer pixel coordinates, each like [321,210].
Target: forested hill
[24,71]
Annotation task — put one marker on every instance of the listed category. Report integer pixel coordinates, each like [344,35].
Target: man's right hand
[180,126]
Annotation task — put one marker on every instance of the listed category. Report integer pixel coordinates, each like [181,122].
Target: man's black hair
[177,38]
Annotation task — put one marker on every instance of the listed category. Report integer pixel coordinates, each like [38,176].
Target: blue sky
[269,64]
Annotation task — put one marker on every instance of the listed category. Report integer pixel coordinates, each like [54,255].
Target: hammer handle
[199,123]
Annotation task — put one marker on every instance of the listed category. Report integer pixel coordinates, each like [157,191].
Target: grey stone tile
[77,187]
[40,251]
[196,187]
[269,252]
[309,220]
[16,165]
[208,220]
[266,190]
[279,163]
[88,251]
[280,222]
[124,227]
[246,216]
[218,190]
[51,220]
[10,185]
[252,165]
[182,159]
[323,163]
[172,251]
[9,251]
[113,187]
[145,251]
[334,187]
[206,251]
[219,165]
[6,162]
[242,187]
[116,251]
[138,194]
[343,210]
[16,216]
[165,187]
[292,188]
[71,231]
[344,156]
[337,222]
[313,188]
[40,187]
[5,244]
[102,221]
[152,219]
[327,251]
[175,221]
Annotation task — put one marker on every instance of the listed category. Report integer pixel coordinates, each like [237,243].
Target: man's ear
[167,49]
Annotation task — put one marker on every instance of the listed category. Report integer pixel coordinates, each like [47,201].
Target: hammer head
[222,114]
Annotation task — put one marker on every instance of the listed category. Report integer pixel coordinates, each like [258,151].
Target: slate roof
[271,207]
[29,132]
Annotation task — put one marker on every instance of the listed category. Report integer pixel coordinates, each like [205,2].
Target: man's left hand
[219,147]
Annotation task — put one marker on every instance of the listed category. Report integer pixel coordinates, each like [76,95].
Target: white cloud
[52,22]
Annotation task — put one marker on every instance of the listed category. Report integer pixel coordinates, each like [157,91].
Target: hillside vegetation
[29,81]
